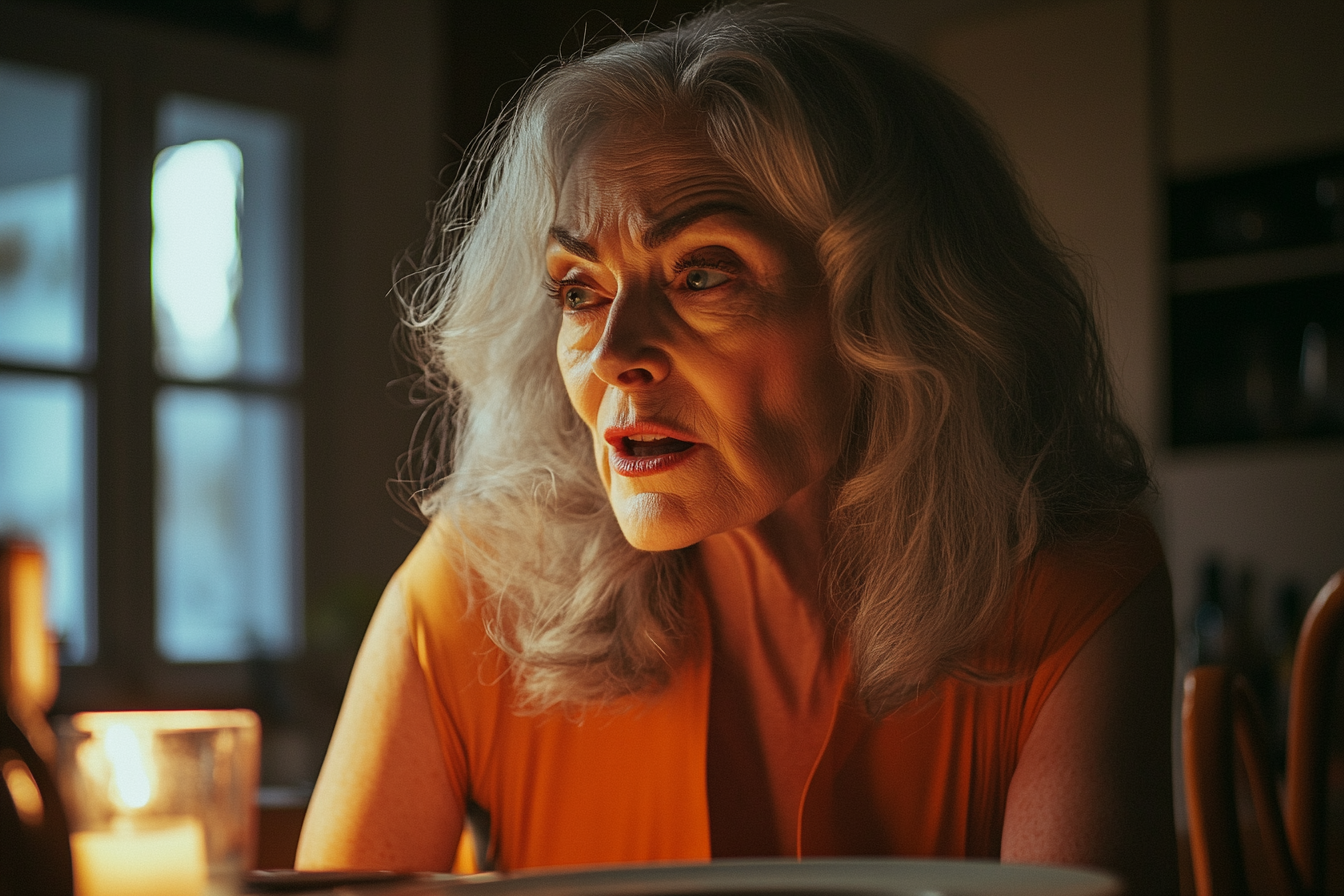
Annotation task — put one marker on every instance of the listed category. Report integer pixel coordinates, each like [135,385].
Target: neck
[794,536]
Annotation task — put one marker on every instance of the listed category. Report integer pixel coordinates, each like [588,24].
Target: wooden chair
[1311,698]
[1221,724]
[34,839]
[29,671]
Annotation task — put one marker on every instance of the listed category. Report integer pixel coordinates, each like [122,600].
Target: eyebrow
[656,235]
[664,230]
[572,244]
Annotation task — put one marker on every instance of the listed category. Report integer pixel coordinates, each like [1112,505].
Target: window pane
[43,142]
[42,493]
[223,274]
[196,260]
[228,561]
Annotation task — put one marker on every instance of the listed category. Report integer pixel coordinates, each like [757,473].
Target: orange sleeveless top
[931,779]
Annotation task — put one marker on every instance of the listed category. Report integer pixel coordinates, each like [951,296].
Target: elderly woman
[790,512]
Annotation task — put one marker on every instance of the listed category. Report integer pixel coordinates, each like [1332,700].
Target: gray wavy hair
[986,426]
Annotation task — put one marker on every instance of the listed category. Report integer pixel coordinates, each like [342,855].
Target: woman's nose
[632,351]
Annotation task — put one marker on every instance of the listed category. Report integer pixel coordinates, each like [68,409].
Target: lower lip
[627,465]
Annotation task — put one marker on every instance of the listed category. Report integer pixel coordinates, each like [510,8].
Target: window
[151,372]
[226,431]
[46,355]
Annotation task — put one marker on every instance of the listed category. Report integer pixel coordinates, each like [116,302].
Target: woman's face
[695,338]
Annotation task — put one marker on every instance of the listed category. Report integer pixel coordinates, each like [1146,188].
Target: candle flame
[130,777]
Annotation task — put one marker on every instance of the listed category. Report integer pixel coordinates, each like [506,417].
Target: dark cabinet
[1257,304]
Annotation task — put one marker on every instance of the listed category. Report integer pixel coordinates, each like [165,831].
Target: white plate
[812,877]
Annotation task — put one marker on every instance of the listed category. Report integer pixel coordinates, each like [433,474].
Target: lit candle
[166,860]
[138,856]
[160,802]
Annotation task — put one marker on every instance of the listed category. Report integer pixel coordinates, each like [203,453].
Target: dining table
[723,877]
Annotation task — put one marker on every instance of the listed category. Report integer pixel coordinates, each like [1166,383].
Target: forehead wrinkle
[654,192]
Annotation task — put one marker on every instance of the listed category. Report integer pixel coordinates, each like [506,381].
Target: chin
[649,525]
[654,537]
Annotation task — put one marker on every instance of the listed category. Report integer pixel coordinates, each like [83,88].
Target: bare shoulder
[1093,785]
[386,798]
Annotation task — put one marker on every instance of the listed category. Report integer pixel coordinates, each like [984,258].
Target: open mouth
[650,445]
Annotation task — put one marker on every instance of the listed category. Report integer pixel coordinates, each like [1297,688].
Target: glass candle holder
[160,802]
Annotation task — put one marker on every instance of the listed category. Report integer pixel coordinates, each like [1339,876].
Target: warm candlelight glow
[160,803]
[130,784]
[161,861]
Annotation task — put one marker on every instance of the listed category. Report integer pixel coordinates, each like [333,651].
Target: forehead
[645,172]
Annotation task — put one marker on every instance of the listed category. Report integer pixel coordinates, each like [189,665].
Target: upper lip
[615,435]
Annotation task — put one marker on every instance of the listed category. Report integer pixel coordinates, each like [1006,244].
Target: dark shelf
[1257,304]
[1298,203]
[1258,363]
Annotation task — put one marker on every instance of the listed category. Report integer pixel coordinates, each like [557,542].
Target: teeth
[645,437]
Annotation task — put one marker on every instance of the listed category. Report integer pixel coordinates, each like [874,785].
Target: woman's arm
[1093,785]
[384,799]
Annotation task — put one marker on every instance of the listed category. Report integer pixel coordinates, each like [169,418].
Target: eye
[705,269]
[570,295]
[574,297]
[705,278]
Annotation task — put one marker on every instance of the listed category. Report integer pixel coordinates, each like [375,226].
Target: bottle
[1210,623]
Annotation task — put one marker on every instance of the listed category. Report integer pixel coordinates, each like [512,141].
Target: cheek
[810,399]
[781,424]
[832,396]
[584,389]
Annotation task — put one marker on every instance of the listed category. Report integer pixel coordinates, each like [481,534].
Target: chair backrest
[1309,704]
[35,840]
[1221,724]
[36,845]
[29,670]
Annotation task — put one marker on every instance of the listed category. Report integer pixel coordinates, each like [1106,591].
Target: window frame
[132,66]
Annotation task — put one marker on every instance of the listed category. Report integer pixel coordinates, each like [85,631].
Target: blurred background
[202,205]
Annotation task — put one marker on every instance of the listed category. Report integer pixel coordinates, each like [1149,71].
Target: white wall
[1253,80]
